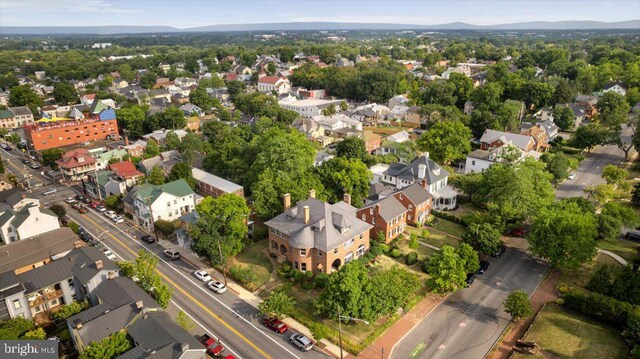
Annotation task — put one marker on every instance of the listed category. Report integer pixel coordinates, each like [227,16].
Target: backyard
[571,335]
[253,259]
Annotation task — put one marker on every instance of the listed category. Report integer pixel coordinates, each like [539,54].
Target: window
[360,251]
[70,282]
[16,304]
[361,236]
[295,265]
[38,309]
[335,251]
[349,257]
[319,253]
[168,204]
[473,163]
[54,302]
[303,252]
[303,267]
[348,243]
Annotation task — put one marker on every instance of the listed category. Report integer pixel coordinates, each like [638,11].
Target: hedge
[396,253]
[411,258]
[449,217]
[601,306]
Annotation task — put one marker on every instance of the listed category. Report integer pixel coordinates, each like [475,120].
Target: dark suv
[484,265]
[635,235]
[499,252]
[147,238]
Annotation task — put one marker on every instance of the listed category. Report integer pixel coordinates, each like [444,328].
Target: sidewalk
[383,347]
[543,294]
[192,259]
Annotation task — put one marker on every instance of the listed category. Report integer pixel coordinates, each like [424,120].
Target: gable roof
[125,169]
[15,195]
[122,290]
[411,172]
[148,193]
[5,114]
[390,207]
[518,140]
[20,111]
[75,158]
[215,181]
[109,321]
[156,331]
[22,253]
[270,79]
[416,193]
[321,231]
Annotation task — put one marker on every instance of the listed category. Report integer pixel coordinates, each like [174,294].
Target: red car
[80,208]
[214,348]
[94,205]
[275,325]
[517,232]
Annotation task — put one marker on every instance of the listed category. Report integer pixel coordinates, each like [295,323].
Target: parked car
[80,208]
[499,252]
[517,231]
[93,205]
[35,166]
[109,214]
[301,342]
[484,265]
[147,238]
[171,254]
[471,277]
[71,200]
[100,208]
[214,347]
[634,235]
[202,275]
[25,161]
[571,175]
[110,254]
[50,191]
[274,324]
[117,219]
[217,287]
[85,237]
[6,147]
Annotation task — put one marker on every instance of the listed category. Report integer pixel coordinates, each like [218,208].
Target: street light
[340,317]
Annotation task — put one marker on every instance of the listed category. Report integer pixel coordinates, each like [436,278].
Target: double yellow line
[197,302]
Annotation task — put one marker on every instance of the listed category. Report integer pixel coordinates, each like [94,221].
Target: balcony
[37,299]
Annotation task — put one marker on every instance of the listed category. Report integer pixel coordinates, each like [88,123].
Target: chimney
[312,193]
[99,264]
[126,140]
[424,183]
[139,304]
[306,214]
[184,347]
[286,199]
[422,170]
[77,244]
[111,275]
[426,155]
[347,198]
[78,323]
[377,209]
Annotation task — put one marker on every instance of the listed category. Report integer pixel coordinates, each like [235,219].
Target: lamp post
[340,317]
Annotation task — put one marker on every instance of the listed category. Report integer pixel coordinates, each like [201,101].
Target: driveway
[468,322]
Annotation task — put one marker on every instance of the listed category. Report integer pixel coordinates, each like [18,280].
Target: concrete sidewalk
[196,262]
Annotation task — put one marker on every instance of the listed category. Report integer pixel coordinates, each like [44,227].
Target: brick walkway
[543,294]
[382,347]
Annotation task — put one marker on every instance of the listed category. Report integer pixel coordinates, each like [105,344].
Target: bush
[560,301]
[449,216]
[411,258]
[319,330]
[260,233]
[309,274]
[562,289]
[375,250]
[74,226]
[425,233]
[425,266]
[396,253]
[413,243]
[321,280]
[385,248]
[165,227]
[601,307]
[368,257]
[284,270]
[69,310]
[245,276]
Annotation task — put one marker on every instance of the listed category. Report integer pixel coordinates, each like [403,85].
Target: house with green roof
[148,203]
[7,119]
[26,223]
[103,159]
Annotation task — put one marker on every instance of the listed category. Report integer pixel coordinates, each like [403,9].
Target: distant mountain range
[298,26]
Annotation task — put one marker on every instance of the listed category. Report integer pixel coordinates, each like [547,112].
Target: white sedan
[109,214]
[117,219]
[202,275]
[217,287]
[109,254]
[71,200]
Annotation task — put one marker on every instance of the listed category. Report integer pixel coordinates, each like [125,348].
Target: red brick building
[387,215]
[44,135]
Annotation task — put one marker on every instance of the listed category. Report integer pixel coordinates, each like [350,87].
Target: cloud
[67,6]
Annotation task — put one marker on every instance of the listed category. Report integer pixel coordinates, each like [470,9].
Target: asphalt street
[468,322]
[224,316]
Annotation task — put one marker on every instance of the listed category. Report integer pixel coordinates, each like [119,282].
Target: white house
[615,87]
[268,84]
[15,199]
[423,171]
[337,121]
[481,160]
[308,107]
[26,223]
[402,136]
[149,203]
[184,82]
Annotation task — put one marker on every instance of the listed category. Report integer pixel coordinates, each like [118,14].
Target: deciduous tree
[277,304]
[483,237]
[518,305]
[447,270]
[446,141]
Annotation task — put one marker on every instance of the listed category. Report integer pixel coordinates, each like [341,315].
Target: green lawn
[450,227]
[580,277]
[435,239]
[625,249]
[254,258]
[572,335]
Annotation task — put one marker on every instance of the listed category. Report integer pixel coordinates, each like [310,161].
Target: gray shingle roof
[106,324]
[390,207]
[215,181]
[14,195]
[20,111]
[122,290]
[19,254]
[157,331]
[323,217]
[410,172]
[520,141]
[416,193]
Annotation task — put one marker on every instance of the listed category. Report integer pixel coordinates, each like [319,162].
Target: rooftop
[215,181]
[23,253]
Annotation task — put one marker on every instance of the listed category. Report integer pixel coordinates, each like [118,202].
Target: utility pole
[340,329]
[155,231]
[223,260]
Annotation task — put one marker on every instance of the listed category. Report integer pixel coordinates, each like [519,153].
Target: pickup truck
[214,347]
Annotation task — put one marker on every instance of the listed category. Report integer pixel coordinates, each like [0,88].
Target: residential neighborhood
[284,188]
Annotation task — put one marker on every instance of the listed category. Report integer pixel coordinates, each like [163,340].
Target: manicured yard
[572,335]
[580,277]
[450,227]
[622,247]
[434,238]
[254,258]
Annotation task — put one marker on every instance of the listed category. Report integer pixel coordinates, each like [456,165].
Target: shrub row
[449,216]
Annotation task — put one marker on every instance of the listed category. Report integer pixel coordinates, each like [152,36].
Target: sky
[192,13]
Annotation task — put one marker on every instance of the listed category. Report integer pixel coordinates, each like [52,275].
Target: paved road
[590,170]
[224,316]
[468,322]
[12,164]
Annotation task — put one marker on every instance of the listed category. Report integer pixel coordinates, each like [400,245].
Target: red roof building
[127,171]
[76,164]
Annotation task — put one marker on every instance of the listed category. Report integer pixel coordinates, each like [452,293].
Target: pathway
[614,256]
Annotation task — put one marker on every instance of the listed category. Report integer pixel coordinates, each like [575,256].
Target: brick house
[212,185]
[371,141]
[387,215]
[317,236]
[493,138]
[45,135]
[417,200]
[539,136]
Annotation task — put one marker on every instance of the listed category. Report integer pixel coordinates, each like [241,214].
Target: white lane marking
[201,288]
